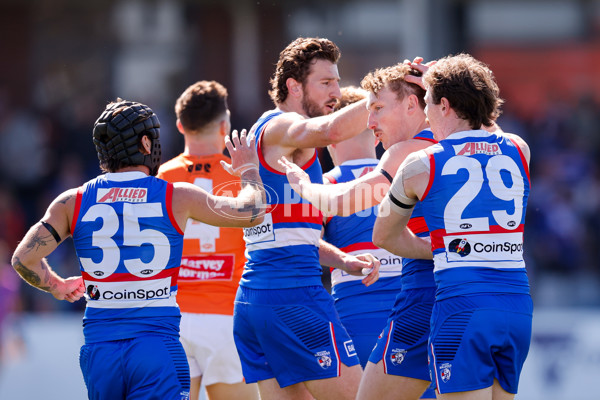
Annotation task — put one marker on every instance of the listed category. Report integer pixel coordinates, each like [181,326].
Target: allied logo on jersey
[397,356]
[93,292]
[472,148]
[129,195]
[460,246]
[445,372]
[324,359]
[350,349]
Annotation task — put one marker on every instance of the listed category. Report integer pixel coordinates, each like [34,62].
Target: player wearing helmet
[127,228]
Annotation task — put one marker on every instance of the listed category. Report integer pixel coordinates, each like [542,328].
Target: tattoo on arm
[37,241]
[255,208]
[66,199]
[251,207]
[30,276]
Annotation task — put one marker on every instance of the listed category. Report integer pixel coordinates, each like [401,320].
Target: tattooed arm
[244,210]
[41,240]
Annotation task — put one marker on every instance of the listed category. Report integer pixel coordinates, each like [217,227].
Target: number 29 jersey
[129,249]
[474,206]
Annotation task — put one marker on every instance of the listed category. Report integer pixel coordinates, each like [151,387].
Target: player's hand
[71,289]
[363,264]
[242,151]
[418,65]
[296,175]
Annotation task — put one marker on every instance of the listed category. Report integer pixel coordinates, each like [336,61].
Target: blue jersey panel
[129,251]
[353,234]
[283,251]
[475,210]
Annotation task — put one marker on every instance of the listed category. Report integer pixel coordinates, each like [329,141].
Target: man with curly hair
[397,366]
[287,332]
[472,188]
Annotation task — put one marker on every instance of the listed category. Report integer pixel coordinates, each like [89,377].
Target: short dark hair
[200,104]
[295,61]
[394,78]
[470,87]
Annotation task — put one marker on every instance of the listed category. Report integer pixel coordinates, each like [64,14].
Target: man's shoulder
[277,121]
[407,146]
[175,162]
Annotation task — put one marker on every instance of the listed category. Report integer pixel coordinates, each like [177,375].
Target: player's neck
[354,155]
[291,106]
[422,126]
[133,168]
[203,145]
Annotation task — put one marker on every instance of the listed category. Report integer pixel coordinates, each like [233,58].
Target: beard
[310,107]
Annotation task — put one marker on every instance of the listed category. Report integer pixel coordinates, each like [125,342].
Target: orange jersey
[213,257]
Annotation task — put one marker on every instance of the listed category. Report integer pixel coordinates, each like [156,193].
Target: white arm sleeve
[415,164]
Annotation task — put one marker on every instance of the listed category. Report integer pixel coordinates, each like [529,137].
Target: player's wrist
[245,168]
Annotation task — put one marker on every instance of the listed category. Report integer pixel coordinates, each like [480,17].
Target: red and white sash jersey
[474,206]
[129,249]
[213,257]
[353,234]
[283,251]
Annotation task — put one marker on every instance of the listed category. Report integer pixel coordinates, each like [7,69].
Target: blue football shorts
[475,339]
[293,335]
[403,343]
[150,367]
[363,331]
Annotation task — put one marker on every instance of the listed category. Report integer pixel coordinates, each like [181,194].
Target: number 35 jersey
[474,206]
[129,249]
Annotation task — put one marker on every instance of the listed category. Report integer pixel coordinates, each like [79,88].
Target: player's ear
[294,87]
[146,145]
[413,103]
[445,105]
[179,126]
[224,128]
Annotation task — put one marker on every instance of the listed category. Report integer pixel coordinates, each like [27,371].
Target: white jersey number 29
[132,236]
[453,219]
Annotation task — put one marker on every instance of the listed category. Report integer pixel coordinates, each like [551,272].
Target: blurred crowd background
[62,61]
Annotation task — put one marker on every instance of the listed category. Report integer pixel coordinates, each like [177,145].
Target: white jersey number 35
[132,236]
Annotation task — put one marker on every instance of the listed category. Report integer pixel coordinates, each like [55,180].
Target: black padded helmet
[118,133]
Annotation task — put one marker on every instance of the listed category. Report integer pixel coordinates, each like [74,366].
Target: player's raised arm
[390,231]
[359,194]
[246,209]
[295,131]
